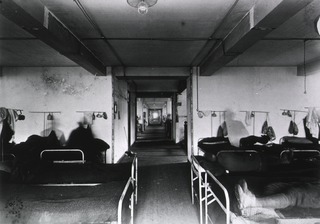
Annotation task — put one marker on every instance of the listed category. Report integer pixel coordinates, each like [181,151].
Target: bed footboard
[313,153]
[197,172]
[132,201]
[132,184]
[206,195]
[129,192]
[74,152]
[134,177]
[211,197]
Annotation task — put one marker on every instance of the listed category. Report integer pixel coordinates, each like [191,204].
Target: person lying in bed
[302,195]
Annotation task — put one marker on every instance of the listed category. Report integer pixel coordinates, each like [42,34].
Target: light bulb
[317,25]
[143,8]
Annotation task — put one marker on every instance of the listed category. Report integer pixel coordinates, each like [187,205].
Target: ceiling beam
[154,94]
[147,73]
[51,31]
[309,68]
[264,17]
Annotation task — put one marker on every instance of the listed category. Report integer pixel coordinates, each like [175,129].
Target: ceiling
[155,102]
[209,34]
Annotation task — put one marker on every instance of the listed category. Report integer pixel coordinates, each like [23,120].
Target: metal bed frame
[206,194]
[64,150]
[132,180]
[298,151]
[209,196]
[197,172]
[207,143]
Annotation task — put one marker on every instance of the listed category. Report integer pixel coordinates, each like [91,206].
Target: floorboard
[164,184]
[164,195]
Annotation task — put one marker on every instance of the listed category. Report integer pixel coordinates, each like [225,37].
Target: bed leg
[200,197]
[192,188]
[136,181]
[206,198]
[132,207]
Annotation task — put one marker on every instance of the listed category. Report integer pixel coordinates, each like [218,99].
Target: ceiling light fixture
[142,5]
[317,25]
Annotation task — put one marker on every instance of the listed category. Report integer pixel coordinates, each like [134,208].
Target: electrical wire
[304,66]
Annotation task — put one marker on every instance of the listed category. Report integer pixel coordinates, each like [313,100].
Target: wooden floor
[153,133]
[164,184]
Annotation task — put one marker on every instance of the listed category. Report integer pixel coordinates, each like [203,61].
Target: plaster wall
[63,89]
[252,89]
[132,116]
[120,124]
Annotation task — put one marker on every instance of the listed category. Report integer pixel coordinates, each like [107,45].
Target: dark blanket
[5,137]
[82,138]
[27,162]
[31,204]
[212,145]
[27,154]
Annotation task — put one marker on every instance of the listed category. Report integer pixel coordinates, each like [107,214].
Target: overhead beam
[154,94]
[309,68]
[52,32]
[264,17]
[147,73]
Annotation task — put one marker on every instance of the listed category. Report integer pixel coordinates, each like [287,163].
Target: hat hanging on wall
[21,117]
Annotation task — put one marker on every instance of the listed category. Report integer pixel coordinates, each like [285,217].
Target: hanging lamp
[142,5]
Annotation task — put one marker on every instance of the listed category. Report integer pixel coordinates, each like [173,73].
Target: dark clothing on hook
[82,138]
[5,137]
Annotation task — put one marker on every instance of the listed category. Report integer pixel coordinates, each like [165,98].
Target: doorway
[153,116]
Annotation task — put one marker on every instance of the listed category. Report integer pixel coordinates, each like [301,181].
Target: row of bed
[68,189]
[219,168]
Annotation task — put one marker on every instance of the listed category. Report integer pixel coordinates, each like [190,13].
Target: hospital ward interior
[160,111]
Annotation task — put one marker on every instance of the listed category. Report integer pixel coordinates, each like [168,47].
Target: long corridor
[164,184]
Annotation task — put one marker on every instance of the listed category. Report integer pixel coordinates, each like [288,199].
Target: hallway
[164,185]
[151,133]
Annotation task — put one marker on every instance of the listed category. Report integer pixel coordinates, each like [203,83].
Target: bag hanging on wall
[295,128]
[290,130]
[220,132]
[224,128]
[265,126]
